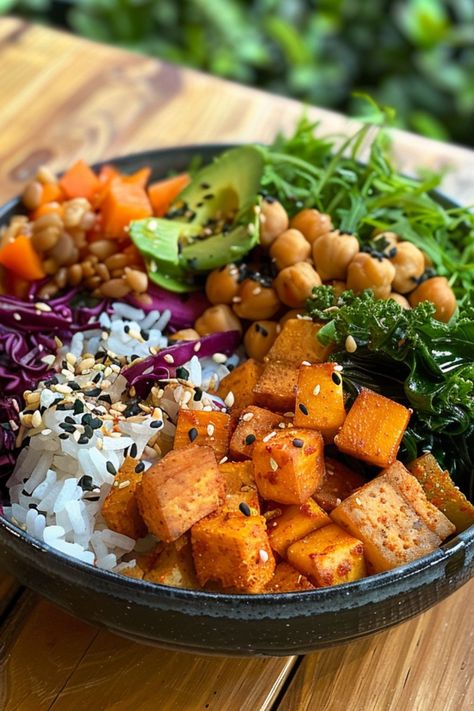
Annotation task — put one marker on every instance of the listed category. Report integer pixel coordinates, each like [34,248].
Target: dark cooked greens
[305,170]
[409,356]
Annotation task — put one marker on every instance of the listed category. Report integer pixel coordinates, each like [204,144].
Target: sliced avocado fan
[212,222]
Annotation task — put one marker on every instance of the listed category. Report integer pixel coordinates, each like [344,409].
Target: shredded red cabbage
[185,308]
[142,374]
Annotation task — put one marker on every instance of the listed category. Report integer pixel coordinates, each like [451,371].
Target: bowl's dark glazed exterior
[214,623]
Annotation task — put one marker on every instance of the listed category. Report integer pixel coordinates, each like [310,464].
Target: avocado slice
[213,221]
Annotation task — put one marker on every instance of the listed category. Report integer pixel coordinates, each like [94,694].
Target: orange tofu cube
[241,382]
[253,424]
[373,429]
[288,579]
[320,399]
[329,556]
[338,483]
[442,491]
[294,523]
[276,388]
[179,490]
[200,428]
[120,508]
[412,491]
[297,342]
[289,467]
[240,486]
[233,550]
[174,565]
[392,531]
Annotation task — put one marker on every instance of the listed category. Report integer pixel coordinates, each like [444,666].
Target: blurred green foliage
[417,55]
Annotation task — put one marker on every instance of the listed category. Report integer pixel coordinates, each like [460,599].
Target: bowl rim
[458,544]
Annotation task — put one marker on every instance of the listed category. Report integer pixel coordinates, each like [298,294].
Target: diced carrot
[51,192]
[140,177]
[79,181]
[107,173]
[163,192]
[21,259]
[49,208]
[123,203]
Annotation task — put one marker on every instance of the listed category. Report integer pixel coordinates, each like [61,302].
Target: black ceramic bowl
[214,623]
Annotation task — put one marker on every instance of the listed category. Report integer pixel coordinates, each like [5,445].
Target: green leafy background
[416,55]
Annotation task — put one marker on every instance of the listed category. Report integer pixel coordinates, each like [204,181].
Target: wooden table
[62,98]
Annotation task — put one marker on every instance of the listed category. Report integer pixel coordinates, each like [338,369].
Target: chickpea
[367,272]
[294,284]
[186,334]
[217,318]
[289,248]
[292,313]
[311,223]
[332,254]
[400,299]
[222,284]
[438,291]
[391,238]
[255,301]
[409,263]
[273,221]
[259,338]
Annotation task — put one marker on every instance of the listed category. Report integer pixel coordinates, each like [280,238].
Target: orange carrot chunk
[79,181]
[163,192]
[140,177]
[51,192]
[21,259]
[123,203]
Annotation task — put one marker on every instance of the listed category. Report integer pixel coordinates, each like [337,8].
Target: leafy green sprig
[409,356]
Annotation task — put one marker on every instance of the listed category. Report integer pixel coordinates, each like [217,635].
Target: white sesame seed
[40,306]
[168,358]
[124,484]
[223,460]
[338,501]
[153,265]
[273,464]
[58,342]
[350,344]
[136,335]
[229,399]
[186,397]
[339,368]
[282,425]
[305,362]
[236,299]
[36,419]
[16,316]
[257,290]
[197,347]
[219,358]
[268,437]
[251,228]
[76,434]
[263,555]
[48,360]
[62,388]
[247,416]
[358,501]
[316,389]
[99,443]
[210,430]
[46,431]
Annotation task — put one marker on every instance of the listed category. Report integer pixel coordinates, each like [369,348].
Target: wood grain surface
[62,98]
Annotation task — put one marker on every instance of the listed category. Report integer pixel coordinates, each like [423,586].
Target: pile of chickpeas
[306,251]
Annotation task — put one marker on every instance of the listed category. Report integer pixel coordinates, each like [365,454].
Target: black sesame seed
[27,440]
[32,506]
[64,435]
[97,377]
[133,357]
[192,434]
[156,424]
[140,467]
[393,252]
[78,407]
[95,423]
[105,397]
[85,482]
[250,439]
[88,431]
[197,395]
[126,329]
[244,508]
[261,329]
[133,451]
[67,428]
[298,443]
[73,385]
[70,419]
[303,408]
[62,406]
[205,186]
[93,393]
[182,373]
[92,498]
[110,468]
[86,418]
[25,492]
[83,439]
[209,196]
[336,379]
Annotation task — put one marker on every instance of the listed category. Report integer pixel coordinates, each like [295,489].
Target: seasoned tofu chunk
[297,342]
[320,399]
[254,423]
[241,382]
[287,579]
[179,490]
[202,428]
[120,508]
[240,487]
[276,388]
[294,523]
[174,565]
[338,483]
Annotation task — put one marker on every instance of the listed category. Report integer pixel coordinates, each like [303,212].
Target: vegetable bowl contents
[253,377]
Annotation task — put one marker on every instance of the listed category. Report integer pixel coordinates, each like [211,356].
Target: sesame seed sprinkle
[229,399]
[350,344]
[268,437]
[317,389]
[263,555]
[168,358]
[219,358]
[210,430]
[273,464]
[244,508]
[247,416]
[303,408]
[16,316]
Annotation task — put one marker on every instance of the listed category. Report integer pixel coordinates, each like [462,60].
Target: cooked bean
[103,248]
[260,337]
[144,299]
[222,284]
[45,175]
[311,223]
[216,319]
[292,313]
[438,291]
[31,196]
[51,219]
[88,269]
[117,261]
[332,254]
[102,272]
[255,301]
[88,220]
[74,211]
[65,251]
[50,266]
[74,274]
[401,300]
[367,272]
[273,221]
[409,263]
[290,247]
[115,289]
[391,239]
[186,334]
[93,282]
[45,239]
[294,284]
[137,280]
